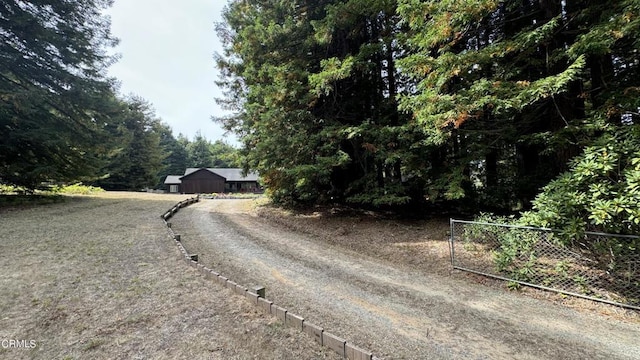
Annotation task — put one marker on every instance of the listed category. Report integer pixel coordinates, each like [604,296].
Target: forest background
[525,107]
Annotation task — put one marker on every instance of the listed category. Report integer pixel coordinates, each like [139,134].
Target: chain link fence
[602,267]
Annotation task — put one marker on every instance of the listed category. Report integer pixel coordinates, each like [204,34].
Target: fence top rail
[590,233]
[612,235]
[501,225]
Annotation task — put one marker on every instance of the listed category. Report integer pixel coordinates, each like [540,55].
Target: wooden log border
[343,347]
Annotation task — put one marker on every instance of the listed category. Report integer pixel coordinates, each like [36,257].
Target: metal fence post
[451,240]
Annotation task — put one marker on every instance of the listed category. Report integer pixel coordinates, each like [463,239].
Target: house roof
[230,174]
[173,179]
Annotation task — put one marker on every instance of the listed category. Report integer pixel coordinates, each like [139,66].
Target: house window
[173,188]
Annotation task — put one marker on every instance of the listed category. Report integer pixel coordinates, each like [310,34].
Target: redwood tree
[54,96]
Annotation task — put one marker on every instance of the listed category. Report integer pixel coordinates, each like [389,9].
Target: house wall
[202,181]
[241,186]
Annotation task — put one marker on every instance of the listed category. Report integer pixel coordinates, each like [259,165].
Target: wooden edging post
[256,296]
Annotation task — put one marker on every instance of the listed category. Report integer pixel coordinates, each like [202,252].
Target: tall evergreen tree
[224,155]
[176,158]
[314,86]
[382,102]
[518,88]
[269,52]
[54,96]
[356,88]
[199,152]
[138,157]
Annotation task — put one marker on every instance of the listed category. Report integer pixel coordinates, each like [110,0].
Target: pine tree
[314,85]
[356,89]
[516,89]
[383,102]
[138,156]
[224,155]
[269,53]
[199,152]
[54,97]
[176,158]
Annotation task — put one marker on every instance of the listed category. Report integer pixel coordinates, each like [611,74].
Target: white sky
[166,49]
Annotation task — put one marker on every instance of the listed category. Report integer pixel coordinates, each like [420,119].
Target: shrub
[600,192]
[77,189]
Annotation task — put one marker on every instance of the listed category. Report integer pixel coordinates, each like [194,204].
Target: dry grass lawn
[98,278]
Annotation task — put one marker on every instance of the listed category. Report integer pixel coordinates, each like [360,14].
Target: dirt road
[393,311]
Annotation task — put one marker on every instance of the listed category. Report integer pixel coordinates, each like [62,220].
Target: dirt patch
[99,278]
[421,245]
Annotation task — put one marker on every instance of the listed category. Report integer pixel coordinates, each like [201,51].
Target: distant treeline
[60,118]
[471,105]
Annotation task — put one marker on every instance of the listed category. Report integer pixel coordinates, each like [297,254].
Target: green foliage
[74,189]
[136,156]
[224,155]
[394,103]
[174,151]
[203,153]
[499,73]
[77,189]
[314,85]
[60,120]
[54,96]
[601,190]
[333,70]
[12,189]
[368,193]
[532,255]
[512,247]
[199,152]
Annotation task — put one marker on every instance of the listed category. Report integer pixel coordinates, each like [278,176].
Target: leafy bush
[600,192]
[548,257]
[10,189]
[512,247]
[77,189]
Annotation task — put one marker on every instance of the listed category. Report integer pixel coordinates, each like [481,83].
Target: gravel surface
[386,306]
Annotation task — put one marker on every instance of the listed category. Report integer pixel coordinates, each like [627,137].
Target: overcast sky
[166,49]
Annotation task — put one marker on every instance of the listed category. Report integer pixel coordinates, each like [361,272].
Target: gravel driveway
[382,307]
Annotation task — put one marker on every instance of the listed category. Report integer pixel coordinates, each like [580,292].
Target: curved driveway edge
[324,338]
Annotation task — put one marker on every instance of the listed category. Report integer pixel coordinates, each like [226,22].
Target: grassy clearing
[99,278]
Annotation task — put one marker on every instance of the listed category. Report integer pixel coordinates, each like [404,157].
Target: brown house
[212,180]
